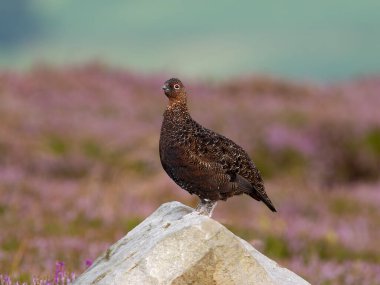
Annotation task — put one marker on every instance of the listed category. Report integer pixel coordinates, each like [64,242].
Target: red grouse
[201,161]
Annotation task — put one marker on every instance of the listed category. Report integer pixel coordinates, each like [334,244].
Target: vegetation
[79,168]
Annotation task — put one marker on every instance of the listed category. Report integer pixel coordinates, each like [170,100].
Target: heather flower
[88,263]
[79,166]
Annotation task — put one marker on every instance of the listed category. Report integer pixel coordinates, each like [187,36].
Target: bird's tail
[256,192]
[265,199]
[269,204]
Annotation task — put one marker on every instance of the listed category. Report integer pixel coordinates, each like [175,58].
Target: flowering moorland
[79,168]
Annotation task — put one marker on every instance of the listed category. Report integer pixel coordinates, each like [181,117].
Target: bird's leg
[205,207]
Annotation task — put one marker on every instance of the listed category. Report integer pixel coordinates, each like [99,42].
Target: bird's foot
[205,207]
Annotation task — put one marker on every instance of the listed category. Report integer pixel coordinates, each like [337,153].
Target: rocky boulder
[177,246]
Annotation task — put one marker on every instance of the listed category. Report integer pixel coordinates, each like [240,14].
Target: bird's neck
[177,111]
[177,103]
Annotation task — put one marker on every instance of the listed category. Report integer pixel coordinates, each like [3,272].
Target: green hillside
[322,40]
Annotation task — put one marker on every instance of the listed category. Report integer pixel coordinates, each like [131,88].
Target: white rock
[177,246]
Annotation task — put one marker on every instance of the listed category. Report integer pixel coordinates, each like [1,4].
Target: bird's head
[174,89]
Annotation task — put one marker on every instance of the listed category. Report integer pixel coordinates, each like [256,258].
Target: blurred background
[296,84]
[313,40]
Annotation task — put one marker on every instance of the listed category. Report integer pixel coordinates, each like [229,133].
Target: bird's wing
[244,175]
[248,174]
[199,172]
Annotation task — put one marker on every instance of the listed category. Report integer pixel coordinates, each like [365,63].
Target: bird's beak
[165,88]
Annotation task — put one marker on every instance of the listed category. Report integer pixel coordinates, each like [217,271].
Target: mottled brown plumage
[201,161]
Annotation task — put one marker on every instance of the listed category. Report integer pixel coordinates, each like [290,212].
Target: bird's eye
[176,86]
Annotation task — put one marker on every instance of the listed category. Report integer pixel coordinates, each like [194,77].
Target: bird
[201,161]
